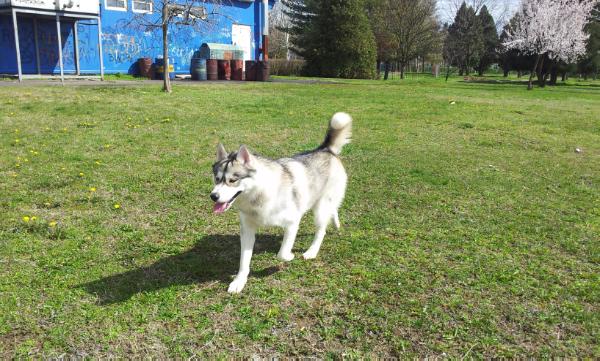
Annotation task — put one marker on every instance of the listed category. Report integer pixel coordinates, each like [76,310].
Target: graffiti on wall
[121,48]
[123,44]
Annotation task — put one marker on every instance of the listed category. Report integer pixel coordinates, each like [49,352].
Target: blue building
[107,36]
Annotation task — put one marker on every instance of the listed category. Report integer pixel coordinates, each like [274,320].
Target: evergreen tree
[333,36]
[464,43]
[491,42]
[300,14]
[590,64]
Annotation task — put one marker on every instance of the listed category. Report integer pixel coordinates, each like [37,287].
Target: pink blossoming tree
[552,28]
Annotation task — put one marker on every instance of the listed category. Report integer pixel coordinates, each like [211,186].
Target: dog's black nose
[214,196]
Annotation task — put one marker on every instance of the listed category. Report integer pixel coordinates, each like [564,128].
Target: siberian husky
[278,192]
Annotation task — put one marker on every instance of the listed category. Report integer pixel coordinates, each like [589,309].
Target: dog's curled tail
[339,133]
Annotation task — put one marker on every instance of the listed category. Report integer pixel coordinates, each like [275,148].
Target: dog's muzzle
[221,207]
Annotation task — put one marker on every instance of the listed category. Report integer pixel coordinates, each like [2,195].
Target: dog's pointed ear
[221,152]
[244,156]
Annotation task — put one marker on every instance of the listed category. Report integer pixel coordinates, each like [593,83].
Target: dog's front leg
[247,236]
[289,237]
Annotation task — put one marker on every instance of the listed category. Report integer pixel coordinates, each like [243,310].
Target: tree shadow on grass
[214,258]
[496,81]
[524,82]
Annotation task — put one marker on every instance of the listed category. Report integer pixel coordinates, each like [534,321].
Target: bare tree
[550,28]
[409,26]
[169,15]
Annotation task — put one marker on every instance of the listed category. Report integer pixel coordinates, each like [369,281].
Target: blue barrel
[198,69]
[160,68]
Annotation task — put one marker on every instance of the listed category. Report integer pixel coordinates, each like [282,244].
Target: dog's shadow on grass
[214,258]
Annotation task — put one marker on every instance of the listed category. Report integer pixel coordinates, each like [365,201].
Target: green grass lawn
[469,228]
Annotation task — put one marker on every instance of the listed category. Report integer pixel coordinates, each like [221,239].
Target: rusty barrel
[211,69]
[224,70]
[145,65]
[237,70]
[250,70]
[262,71]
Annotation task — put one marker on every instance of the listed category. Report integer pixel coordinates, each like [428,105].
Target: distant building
[83,22]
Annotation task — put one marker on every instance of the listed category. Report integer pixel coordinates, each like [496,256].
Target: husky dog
[279,192]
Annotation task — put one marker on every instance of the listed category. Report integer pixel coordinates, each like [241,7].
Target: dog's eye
[232,180]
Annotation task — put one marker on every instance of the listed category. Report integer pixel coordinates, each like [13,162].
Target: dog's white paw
[285,257]
[237,285]
[310,254]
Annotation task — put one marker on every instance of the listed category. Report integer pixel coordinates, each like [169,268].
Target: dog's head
[232,176]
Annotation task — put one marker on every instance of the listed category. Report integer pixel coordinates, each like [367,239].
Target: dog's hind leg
[324,211]
[289,237]
[336,220]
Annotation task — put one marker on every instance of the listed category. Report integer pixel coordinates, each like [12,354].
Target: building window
[142,6]
[116,5]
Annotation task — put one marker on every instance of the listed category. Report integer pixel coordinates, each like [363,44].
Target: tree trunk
[537,61]
[401,70]
[387,70]
[165,27]
[553,75]
[519,74]
[541,75]
[506,71]
[564,76]
[447,71]
[378,68]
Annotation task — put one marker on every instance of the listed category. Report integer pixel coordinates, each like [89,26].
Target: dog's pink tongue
[219,207]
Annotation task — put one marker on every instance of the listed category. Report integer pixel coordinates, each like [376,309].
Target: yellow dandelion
[81,174]
[52,224]
[106,145]
[97,162]
[62,168]
[11,114]
[25,160]
[64,129]
[17,140]
[33,218]
[47,204]
[47,128]
[17,165]
[92,189]
[117,206]
[25,219]
[16,130]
